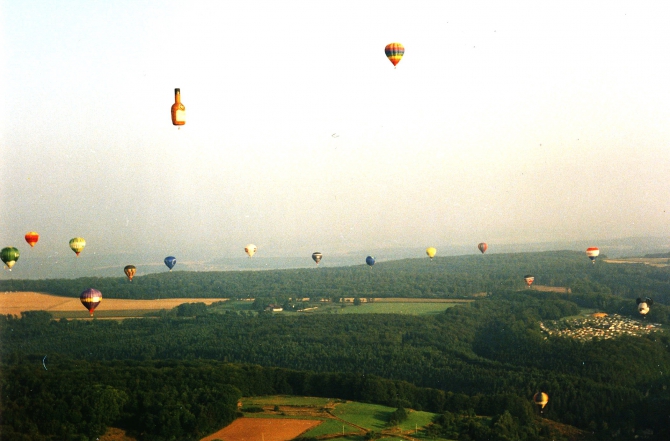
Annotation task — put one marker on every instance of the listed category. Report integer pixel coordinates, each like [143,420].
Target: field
[70,307]
[397,308]
[318,418]
[264,429]
[652,261]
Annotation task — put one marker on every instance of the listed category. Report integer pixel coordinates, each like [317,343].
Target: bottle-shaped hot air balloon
[483,247]
[592,253]
[170,262]
[250,250]
[9,256]
[394,52]
[32,237]
[77,244]
[431,252]
[529,279]
[130,271]
[316,256]
[178,110]
[90,298]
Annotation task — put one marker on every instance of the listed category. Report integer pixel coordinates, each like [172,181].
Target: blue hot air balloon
[170,261]
[370,260]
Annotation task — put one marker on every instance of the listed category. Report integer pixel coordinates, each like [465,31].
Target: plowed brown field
[265,429]
[16,302]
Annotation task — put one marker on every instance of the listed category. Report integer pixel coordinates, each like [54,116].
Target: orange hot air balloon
[130,271]
[394,52]
[483,247]
[32,237]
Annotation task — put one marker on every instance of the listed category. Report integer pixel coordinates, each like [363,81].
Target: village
[598,326]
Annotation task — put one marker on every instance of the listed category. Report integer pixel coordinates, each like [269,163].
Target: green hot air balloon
[9,255]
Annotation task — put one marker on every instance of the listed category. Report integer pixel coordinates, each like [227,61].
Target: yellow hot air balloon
[541,399]
[77,244]
[250,249]
[431,252]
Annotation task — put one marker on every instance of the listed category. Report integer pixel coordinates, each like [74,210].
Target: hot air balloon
[431,252]
[370,260]
[170,261]
[130,271]
[592,252]
[529,279]
[643,305]
[394,52]
[483,247]
[250,249]
[77,244]
[32,237]
[541,399]
[178,110]
[90,298]
[316,256]
[9,255]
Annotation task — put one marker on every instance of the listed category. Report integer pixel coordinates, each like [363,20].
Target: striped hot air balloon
[592,252]
[77,244]
[394,52]
[483,247]
[90,298]
[32,237]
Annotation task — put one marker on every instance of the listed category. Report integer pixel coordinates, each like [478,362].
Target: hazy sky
[504,122]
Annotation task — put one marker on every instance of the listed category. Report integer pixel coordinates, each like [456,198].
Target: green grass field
[370,416]
[398,308]
[329,427]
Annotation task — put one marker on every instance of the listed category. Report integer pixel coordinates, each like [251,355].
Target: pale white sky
[504,122]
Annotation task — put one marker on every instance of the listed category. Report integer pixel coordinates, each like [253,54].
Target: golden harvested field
[16,302]
[267,429]
[545,288]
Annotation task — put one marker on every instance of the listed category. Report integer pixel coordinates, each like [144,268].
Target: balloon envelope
[77,244]
[541,399]
[9,256]
[529,279]
[483,247]
[394,52]
[90,298]
[170,261]
[431,252]
[250,249]
[32,237]
[370,260]
[592,253]
[130,271]
[316,256]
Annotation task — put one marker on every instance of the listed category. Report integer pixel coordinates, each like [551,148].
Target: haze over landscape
[505,123]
